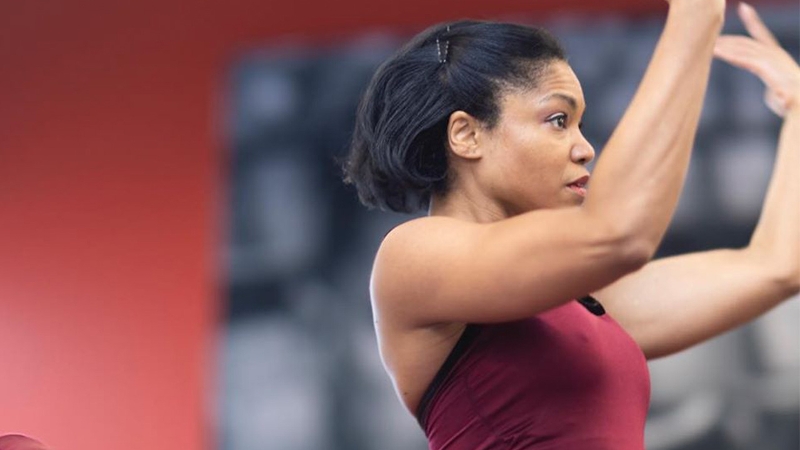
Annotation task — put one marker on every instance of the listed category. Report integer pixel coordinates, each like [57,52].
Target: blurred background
[182,268]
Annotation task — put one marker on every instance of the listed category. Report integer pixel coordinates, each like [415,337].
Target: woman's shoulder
[424,238]
[424,228]
[413,251]
[421,252]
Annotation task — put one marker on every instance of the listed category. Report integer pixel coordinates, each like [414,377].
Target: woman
[491,311]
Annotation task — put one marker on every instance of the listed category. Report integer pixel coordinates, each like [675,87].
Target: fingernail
[745,5]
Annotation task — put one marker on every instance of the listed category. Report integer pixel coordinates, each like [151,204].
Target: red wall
[108,233]
[110,202]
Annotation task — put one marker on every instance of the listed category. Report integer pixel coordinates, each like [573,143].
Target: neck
[466,205]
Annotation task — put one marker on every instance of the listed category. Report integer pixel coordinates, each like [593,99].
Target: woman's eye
[560,120]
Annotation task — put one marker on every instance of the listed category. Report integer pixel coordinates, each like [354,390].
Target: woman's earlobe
[462,135]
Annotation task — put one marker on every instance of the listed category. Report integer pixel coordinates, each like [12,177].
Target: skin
[527,160]
[674,303]
[512,239]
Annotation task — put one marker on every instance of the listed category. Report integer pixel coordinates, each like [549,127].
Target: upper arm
[438,269]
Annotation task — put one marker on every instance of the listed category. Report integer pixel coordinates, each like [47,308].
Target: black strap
[467,337]
[592,305]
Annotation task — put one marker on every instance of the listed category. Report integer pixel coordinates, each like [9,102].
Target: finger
[741,47]
[742,43]
[753,57]
[741,52]
[755,26]
[743,57]
[739,60]
[775,103]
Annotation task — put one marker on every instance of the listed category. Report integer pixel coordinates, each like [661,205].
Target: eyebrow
[567,98]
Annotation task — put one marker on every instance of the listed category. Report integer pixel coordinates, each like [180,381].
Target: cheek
[521,147]
[521,168]
[528,159]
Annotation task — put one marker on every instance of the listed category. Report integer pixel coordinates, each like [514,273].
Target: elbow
[630,248]
[785,285]
[628,244]
[791,275]
[781,269]
[790,284]
[635,252]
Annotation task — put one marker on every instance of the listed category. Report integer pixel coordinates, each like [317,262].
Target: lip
[580,181]
[578,186]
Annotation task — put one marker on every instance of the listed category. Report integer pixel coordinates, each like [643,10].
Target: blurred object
[20,442]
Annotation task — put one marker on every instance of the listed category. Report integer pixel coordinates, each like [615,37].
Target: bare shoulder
[411,262]
[425,230]
[423,238]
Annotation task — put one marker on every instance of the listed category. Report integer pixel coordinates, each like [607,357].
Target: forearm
[776,239]
[642,169]
[677,302]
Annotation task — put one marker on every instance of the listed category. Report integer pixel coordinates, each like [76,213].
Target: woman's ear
[463,131]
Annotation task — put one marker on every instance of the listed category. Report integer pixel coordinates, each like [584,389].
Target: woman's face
[535,156]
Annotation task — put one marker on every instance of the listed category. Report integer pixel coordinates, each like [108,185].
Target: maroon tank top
[568,378]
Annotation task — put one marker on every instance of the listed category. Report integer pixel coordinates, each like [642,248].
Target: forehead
[556,81]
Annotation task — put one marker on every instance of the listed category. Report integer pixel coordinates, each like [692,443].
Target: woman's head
[399,154]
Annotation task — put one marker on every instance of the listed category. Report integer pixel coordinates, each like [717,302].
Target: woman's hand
[762,55]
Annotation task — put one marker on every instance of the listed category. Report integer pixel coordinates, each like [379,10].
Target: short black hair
[398,154]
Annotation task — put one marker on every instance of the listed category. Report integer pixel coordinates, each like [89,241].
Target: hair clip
[442,55]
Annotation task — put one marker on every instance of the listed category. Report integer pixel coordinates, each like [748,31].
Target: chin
[570,202]
[573,199]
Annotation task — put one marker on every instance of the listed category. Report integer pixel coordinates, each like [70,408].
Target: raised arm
[677,302]
[440,269]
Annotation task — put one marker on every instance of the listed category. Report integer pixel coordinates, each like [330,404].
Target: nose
[582,152]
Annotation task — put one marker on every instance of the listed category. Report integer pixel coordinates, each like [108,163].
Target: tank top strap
[467,338]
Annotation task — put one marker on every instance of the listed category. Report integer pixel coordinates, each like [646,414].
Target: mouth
[579,186]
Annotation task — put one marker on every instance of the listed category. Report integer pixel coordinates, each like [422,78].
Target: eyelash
[557,120]
[561,116]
